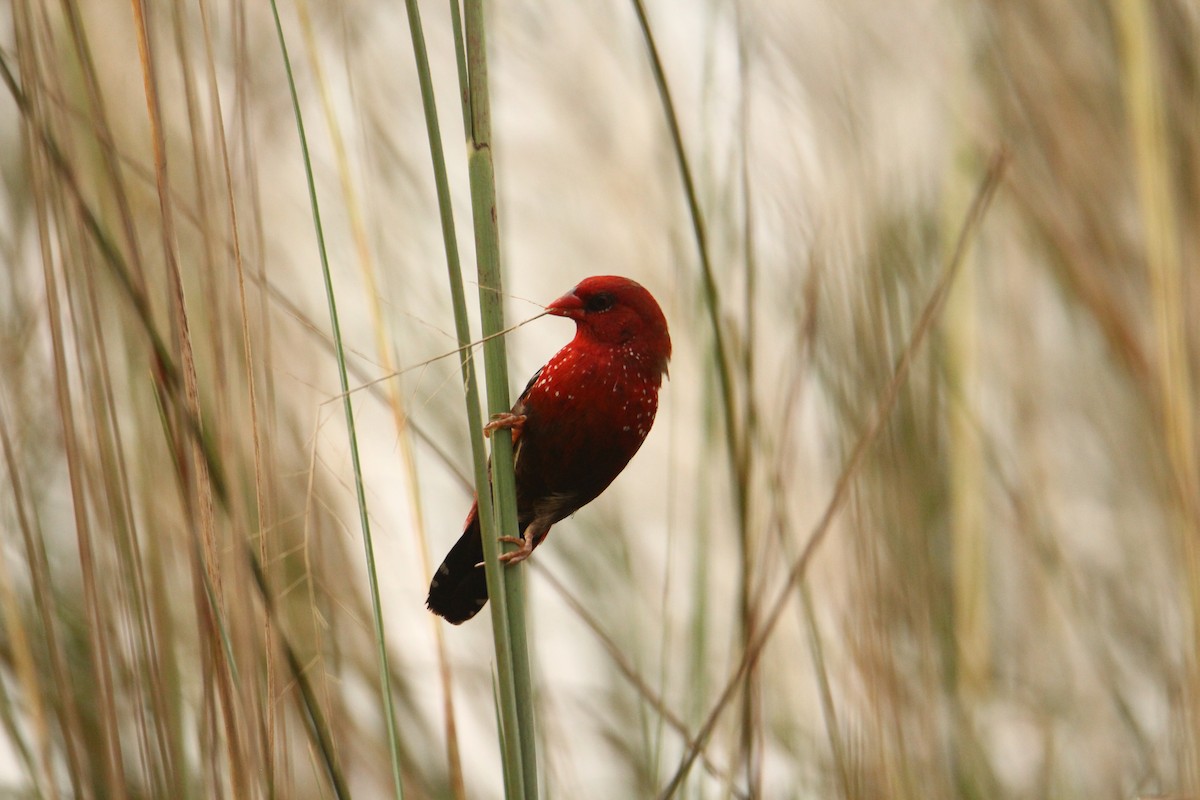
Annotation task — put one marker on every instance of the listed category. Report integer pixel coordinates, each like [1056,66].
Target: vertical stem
[736,427]
[385,683]
[508,617]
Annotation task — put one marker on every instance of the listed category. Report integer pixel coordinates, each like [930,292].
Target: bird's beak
[566,306]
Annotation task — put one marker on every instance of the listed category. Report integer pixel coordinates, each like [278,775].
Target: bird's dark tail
[459,587]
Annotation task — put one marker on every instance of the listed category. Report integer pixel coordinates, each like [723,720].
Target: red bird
[575,427]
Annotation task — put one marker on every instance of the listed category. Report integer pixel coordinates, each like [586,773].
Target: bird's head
[616,311]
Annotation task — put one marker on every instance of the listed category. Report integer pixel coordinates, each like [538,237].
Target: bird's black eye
[601,301]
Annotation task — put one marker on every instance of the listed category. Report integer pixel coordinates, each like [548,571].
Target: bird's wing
[520,408]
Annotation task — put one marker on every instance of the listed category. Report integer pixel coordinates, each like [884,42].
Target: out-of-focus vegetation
[924,546]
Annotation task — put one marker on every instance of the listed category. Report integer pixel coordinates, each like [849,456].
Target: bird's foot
[517,556]
[501,421]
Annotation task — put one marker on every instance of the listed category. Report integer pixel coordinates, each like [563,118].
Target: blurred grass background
[1007,604]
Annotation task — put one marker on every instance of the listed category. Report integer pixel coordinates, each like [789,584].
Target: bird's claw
[517,556]
[501,421]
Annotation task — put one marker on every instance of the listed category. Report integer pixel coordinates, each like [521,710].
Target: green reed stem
[348,409]
[508,618]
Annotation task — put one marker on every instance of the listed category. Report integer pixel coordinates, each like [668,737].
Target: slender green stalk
[504,586]
[508,619]
[385,684]
[711,293]
[460,63]
[735,437]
